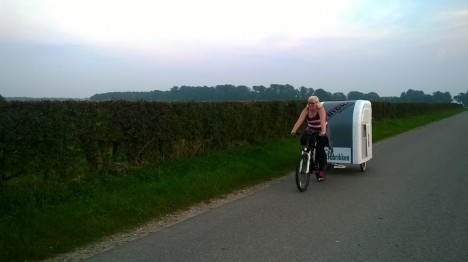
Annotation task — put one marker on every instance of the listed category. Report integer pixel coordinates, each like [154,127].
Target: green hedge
[65,139]
[61,140]
[386,110]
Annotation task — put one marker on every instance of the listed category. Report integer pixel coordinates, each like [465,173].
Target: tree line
[274,92]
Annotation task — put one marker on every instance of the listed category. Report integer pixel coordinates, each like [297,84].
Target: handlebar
[300,133]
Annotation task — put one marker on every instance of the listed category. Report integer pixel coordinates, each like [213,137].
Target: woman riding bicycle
[316,118]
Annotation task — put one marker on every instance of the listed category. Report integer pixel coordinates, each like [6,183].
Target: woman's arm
[300,120]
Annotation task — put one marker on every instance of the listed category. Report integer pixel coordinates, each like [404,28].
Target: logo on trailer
[339,155]
[338,109]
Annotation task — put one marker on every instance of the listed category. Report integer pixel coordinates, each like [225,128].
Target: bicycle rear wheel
[302,176]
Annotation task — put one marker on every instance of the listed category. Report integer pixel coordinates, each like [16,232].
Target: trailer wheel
[363,166]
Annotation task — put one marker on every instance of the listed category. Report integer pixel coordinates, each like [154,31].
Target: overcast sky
[78,48]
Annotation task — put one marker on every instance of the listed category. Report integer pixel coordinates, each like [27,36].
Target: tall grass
[50,221]
[40,221]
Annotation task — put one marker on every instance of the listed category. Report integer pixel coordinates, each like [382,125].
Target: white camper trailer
[350,124]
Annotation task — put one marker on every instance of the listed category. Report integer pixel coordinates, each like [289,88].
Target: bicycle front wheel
[302,176]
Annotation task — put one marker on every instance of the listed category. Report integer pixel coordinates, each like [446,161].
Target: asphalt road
[411,204]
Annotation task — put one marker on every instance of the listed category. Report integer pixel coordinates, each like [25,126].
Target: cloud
[93,46]
[152,23]
[441,53]
[454,21]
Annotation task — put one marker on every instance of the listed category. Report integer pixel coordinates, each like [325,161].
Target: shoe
[321,176]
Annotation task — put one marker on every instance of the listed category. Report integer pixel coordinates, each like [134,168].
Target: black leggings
[320,149]
[322,141]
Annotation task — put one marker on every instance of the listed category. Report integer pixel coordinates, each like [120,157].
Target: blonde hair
[316,100]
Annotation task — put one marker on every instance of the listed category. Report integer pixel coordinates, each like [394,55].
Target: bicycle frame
[303,170]
[310,155]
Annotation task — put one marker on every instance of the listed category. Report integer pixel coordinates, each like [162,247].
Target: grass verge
[36,223]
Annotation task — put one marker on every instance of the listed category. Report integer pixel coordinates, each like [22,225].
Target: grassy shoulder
[52,219]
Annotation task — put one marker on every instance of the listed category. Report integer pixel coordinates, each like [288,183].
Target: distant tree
[440,97]
[204,93]
[2,99]
[283,92]
[415,96]
[372,96]
[355,95]
[391,99]
[323,95]
[259,89]
[339,97]
[227,89]
[129,96]
[185,93]
[462,98]
[305,92]
[288,92]
[244,92]
[259,92]
[156,95]
[274,92]
[271,93]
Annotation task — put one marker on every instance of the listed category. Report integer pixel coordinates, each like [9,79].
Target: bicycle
[307,162]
